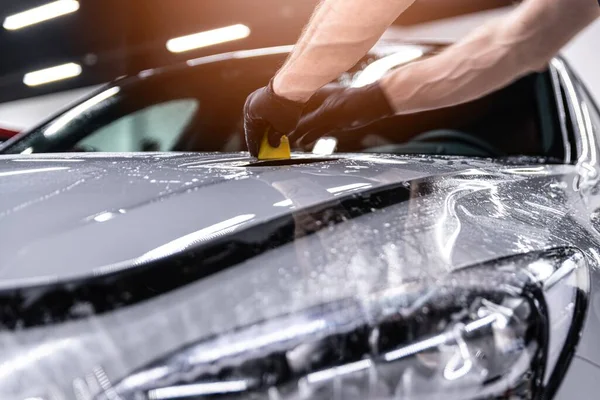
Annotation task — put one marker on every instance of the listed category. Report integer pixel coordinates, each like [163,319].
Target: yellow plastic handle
[267,152]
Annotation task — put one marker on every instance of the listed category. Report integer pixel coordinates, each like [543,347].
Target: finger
[313,123]
[255,130]
[274,137]
[307,140]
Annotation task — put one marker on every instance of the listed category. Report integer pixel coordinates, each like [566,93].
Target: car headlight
[496,330]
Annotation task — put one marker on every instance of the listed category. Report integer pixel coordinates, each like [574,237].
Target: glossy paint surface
[99,214]
[82,206]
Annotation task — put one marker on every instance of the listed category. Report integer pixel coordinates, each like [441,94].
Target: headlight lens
[496,330]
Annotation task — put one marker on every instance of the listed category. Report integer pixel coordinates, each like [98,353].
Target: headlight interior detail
[495,330]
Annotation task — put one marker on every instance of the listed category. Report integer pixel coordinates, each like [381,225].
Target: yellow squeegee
[267,152]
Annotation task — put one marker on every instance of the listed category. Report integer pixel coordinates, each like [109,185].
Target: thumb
[273,137]
[306,126]
[255,129]
[308,131]
[319,122]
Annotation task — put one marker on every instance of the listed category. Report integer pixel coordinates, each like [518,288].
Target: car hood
[69,216]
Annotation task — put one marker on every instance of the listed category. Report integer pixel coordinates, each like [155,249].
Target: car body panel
[98,202]
[6,133]
[582,380]
[456,212]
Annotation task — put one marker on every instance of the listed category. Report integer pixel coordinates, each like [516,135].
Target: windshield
[198,108]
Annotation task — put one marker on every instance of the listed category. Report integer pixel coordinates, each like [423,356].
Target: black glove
[265,110]
[341,109]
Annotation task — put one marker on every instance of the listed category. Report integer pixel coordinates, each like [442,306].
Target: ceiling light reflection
[210,232]
[203,355]
[40,14]
[198,389]
[48,160]
[53,74]
[334,190]
[325,146]
[31,171]
[528,170]
[29,358]
[240,54]
[144,378]
[377,69]
[284,203]
[347,188]
[70,115]
[208,38]
[107,216]
[340,371]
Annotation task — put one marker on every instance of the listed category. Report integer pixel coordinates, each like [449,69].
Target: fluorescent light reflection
[40,14]
[208,233]
[348,188]
[70,115]
[440,339]
[144,378]
[200,389]
[202,355]
[335,372]
[325,146]
[377,69]
[284,203]
[30,358]
[208,38]
[334,190]
[48,75]
[31,171]
[48,160]
[107,216]
[240,55]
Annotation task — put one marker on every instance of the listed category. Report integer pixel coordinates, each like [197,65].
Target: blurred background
[95,41]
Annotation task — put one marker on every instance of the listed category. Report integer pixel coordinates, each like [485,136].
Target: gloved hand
[341,109]
[265,110]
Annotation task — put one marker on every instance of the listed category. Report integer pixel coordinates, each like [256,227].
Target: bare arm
[339,34]
[491,57]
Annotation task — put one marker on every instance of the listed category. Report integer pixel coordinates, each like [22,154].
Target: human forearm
[339,34]
[491,57]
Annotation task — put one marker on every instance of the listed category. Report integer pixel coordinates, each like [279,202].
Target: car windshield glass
[198,107]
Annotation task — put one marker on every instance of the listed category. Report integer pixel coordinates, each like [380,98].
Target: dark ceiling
[110,38]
